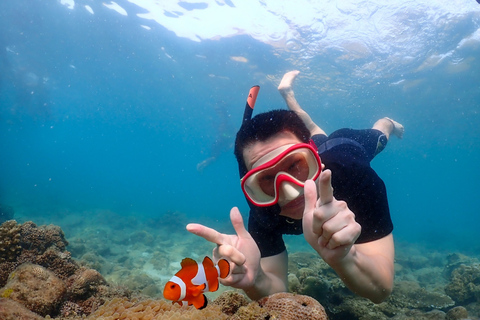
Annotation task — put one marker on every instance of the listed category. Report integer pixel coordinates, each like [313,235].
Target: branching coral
[9,241]
[41,238]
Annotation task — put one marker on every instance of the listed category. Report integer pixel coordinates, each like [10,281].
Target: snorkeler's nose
[289,191]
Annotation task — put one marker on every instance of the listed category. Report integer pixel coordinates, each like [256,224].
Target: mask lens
[295,164]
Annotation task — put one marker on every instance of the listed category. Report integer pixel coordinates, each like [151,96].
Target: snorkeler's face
[278,169]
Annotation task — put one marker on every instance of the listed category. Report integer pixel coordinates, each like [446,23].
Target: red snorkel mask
[281,174]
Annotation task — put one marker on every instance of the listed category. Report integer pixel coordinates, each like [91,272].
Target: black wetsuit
[347,153]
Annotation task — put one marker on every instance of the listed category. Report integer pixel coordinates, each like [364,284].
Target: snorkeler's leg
[202,165]
[285,89]
[389,126]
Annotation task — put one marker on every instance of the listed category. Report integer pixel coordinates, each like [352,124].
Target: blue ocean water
[108,109]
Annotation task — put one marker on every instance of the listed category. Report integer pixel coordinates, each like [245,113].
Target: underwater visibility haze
[110,111]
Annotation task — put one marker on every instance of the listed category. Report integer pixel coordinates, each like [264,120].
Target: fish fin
[224,267]
[207,262]
[213,285]
[188,262]
[197,290]
[199,302]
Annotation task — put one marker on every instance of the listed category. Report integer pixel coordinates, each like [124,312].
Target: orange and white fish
[189,284]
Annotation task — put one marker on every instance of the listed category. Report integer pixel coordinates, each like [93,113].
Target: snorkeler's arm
[286,90]
[368,269]
[330,228]
[271,278]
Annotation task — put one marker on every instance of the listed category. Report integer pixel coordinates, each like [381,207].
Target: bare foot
[285,86]
[398,128]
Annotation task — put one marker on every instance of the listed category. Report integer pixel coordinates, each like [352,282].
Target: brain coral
[288,306]
[84,283]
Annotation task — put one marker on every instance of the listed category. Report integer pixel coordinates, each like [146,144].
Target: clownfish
[189,284]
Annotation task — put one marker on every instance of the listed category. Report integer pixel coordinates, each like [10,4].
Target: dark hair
[265,125]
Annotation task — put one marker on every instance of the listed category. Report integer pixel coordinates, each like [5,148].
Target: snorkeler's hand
[239,249]
[329,226]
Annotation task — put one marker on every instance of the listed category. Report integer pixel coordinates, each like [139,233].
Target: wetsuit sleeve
[355,182]
[268,240]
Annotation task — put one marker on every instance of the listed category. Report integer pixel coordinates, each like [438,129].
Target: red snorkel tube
[252,97]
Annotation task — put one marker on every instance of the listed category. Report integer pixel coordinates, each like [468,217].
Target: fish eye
[172,286]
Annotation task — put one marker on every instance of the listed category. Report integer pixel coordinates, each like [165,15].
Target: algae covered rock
[36,288]
[464,286]
[457,313]
[12,310]
[409,294]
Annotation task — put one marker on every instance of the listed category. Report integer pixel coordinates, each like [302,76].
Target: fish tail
[199,302]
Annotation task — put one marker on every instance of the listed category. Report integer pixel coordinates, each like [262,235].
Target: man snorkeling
[288,166]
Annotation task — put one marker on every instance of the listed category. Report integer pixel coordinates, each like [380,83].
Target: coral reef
[428,284]
[421,290]
[44,245]
[37,272]
[229,305]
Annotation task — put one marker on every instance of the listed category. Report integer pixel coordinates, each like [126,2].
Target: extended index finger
[207,233]
[325,190]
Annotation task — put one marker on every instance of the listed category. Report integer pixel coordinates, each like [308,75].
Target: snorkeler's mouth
[300,200]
